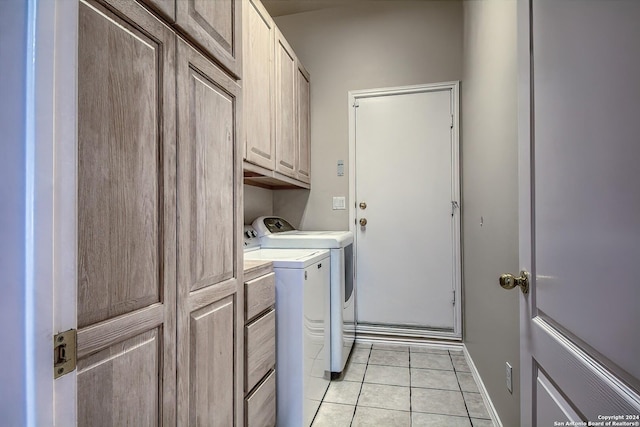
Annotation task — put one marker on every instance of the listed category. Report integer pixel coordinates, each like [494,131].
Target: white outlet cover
[339,203]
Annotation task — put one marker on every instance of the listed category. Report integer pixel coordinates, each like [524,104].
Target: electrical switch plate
[509,378]
[339,203]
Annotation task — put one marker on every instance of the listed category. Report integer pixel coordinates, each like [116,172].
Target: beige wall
[379,44]
[257,202]
[490,191]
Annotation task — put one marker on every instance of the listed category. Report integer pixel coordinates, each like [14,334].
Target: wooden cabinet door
[126,307]
[216,26]
[210,290]
[303,172]
[258,86]
[286,140]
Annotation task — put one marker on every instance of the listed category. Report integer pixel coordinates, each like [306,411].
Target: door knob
[509,281]
[363,222]
[363,205]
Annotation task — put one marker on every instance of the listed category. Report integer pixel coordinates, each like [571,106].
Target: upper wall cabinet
[303,171]
[285,113]
[258,86]
[215,25]
[276,105]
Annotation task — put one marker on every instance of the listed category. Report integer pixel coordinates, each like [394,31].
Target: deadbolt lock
[509,281]
[363,205]
[363,222]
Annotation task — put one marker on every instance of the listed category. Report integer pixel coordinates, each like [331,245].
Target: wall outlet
[509,378]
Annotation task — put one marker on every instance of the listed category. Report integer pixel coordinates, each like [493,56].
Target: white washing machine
[302,329]
[275,232]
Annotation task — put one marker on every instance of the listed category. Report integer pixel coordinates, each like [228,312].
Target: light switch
[339,203]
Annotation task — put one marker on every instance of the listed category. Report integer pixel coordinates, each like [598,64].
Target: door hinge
[356,104]
[64,352]
[454,297]
[454,206]
[452,121]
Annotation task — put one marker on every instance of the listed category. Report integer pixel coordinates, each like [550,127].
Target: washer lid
[308,239]
[276,232]
[288,258]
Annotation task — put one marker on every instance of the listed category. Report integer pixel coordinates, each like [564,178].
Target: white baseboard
[483,391]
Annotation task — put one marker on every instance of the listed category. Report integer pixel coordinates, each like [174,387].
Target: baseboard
[483,391]
[405,335]
[398,340]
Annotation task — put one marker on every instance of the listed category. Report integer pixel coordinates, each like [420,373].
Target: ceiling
[289,7]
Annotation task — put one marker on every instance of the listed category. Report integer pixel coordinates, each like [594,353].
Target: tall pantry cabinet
[160,295]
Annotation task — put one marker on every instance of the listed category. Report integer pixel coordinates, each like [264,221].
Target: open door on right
[579,141]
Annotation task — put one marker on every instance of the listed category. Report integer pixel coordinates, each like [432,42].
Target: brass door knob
[509,281]
[363,205]
[363,222]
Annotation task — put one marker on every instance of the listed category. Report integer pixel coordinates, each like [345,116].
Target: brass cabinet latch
[64,353]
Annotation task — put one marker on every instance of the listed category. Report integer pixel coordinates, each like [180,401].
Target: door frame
[46,96]
[65,197]
[353,97]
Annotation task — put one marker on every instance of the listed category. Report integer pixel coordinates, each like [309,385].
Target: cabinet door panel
[286,141]
[304,125]
[209,280]
[119,174]
[216,27]
[126,207]
[212,179]
[110,380]
[212,364]
[258,86]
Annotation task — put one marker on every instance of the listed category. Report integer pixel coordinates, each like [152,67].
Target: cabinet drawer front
[260,407]
[260,348]
[260,294]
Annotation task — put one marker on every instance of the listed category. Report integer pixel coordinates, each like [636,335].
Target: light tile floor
[397,386]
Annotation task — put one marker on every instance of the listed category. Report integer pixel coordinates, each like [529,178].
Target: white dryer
[302,331]
[275,232]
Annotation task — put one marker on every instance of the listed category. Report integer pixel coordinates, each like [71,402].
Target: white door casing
[65,197]
[579,210]
[404,166]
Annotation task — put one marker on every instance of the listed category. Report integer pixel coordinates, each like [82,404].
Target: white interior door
[407,261]
[580,211]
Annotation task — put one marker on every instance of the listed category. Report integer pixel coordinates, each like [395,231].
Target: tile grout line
[355,408]
[455,372]
[410,388]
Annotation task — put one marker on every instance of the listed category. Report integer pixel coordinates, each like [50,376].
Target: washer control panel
[251,239]
[277,225]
